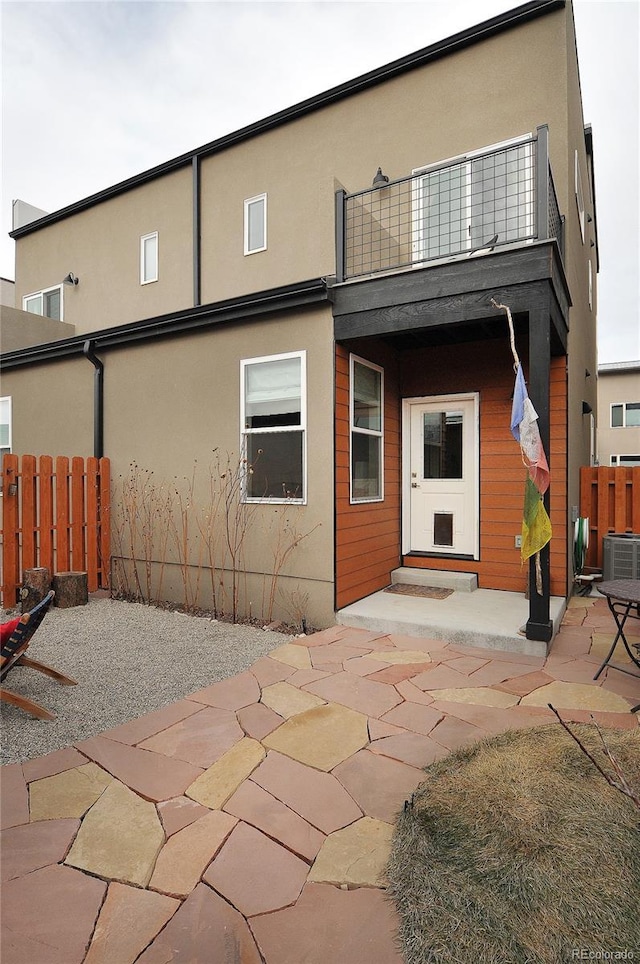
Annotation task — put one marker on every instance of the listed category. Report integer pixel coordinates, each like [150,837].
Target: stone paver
[238,872]
[221,825]
[214,787]
[62,933]
[200,739]
[129,920]
[67,794]
[204,929]
[152,775]
[35,845]
[355,856]
[185,855]
[120,837]
[261,809]
[378,784]
[330,925]
[321,737]
[317,797]
[287,700]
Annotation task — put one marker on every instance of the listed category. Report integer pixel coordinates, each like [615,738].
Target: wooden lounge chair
[12,654]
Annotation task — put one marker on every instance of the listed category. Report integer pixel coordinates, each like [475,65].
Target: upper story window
[367,421]
[273,417]
[149,258]
[579,197]
[625,415]
[47,302]
[255,224]
[5,425]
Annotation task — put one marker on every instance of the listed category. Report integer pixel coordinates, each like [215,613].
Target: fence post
[104,522]
[10,537]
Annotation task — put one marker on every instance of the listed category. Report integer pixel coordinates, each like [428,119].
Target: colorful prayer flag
[536,525]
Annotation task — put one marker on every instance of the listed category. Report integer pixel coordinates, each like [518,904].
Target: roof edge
[285,298]
[487,28]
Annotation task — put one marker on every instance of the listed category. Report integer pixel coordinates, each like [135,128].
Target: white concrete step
[459,581]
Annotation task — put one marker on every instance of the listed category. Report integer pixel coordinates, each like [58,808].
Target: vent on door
[621,555]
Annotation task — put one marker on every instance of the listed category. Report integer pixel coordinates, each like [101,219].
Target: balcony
[501,197]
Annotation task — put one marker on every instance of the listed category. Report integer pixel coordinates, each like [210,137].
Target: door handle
[414,485]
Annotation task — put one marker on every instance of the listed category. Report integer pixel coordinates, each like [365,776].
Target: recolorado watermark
[585,954]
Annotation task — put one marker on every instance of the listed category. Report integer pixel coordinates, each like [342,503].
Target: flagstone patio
[252,821]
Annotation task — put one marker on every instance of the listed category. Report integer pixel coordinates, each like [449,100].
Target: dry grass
[517,851]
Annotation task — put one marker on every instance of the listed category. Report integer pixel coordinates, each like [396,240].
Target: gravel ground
[128,659]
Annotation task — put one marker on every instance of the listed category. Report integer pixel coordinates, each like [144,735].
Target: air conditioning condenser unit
[621,555]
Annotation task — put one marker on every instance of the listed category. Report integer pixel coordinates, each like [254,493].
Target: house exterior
[315,293]
[619,413]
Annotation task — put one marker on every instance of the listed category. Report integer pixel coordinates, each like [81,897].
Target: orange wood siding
[368,535]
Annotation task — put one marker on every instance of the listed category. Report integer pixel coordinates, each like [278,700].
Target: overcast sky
[94,92]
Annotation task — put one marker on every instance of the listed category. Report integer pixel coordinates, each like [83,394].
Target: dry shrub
[516,851]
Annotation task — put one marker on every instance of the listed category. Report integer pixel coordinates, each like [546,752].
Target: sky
[95,91]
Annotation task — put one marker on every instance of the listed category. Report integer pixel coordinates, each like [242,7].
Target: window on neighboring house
[273,413]
[625,415]
[367,421]
[47,302]
[579,196]
[625,460]
[255,224]
[149,258]
[590,285]
[5,425]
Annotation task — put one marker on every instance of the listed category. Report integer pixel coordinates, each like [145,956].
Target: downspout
[98,399]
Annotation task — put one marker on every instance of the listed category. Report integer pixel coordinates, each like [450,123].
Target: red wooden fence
[56,514]
[610,499]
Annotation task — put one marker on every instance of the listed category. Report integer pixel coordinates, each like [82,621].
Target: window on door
[367,421]
[273,413]
[47,302]
[462,205]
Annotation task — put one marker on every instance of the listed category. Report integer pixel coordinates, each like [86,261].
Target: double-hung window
[5,425]
[149,258]
[273,414]
[367,421]
[462,204]
[47,302]
[625,415]
[255,224]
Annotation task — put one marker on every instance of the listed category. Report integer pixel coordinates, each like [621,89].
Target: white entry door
[442,482]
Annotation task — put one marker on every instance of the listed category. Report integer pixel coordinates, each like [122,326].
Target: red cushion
[7,628]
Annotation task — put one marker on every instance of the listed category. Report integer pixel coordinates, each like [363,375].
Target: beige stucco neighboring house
[316,293]
[619,413]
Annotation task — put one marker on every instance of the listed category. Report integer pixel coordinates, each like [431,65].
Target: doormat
[429,592]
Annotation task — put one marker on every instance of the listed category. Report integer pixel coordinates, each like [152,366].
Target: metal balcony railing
[498,197]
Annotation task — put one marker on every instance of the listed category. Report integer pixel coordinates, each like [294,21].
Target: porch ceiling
[451,302]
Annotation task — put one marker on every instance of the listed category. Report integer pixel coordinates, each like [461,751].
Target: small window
[255,224]
[625,415]
[47,302]
[149,258]
[5,425]
[273,411]
[590,285]
[366,430]
[579,197]
[625,460]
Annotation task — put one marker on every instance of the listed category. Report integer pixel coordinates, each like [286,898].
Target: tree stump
[36,583]
[71,589]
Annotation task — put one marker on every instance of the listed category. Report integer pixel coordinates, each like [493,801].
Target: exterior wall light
[380,179]
[70,279]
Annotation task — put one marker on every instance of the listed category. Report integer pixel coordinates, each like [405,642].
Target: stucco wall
[22,329]
[617,387]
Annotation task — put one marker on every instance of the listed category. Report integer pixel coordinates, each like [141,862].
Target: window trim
[614,460]
[302,428]
[359,500]
[40,294]
[248,202]
[143,240]
[623,406]
[8,400]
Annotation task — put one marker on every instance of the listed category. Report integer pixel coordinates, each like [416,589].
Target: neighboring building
[261,291]
[619,413]
[7,292]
